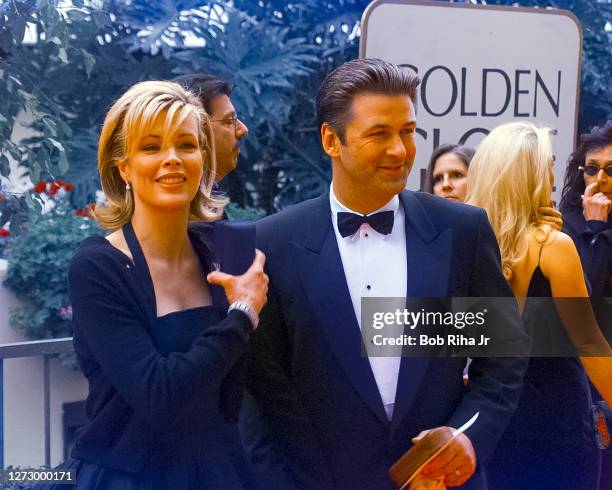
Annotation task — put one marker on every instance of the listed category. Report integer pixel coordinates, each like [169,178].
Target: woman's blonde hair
[129,117]
[509,177]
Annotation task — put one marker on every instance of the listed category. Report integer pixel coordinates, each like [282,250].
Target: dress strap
[540,254]
[142,269]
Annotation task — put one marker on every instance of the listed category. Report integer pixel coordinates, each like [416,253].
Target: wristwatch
[247,309]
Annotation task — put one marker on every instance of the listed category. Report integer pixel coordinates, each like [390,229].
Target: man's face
[373,164]
[228,131]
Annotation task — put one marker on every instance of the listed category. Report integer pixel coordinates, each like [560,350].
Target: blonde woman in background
[157,351]
[550,442]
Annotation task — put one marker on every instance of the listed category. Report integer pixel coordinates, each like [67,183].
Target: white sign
[481,66]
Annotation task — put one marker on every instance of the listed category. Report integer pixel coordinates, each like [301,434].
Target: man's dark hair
[573,187]
[370,75]
[205,87]
[464,153]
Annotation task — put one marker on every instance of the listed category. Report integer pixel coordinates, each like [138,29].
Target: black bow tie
[349,223]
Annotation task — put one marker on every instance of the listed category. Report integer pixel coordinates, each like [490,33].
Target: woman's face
[165,170]
[600,158]
[450,177]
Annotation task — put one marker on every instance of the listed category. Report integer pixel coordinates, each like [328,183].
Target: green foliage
[38,261]
[235,212]
[275,52]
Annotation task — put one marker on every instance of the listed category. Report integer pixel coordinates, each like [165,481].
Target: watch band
[247,309]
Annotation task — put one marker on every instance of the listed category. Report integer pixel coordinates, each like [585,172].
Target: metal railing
[45,348]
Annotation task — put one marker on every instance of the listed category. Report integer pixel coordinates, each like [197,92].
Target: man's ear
[330,141]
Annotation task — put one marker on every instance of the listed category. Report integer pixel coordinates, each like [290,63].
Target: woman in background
[550,441]
[446,177]
[447,171]
[586,203]
[157,352]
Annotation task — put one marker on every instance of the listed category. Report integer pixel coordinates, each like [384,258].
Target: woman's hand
[550,216]
[423,483]
[251,287]
[595,205]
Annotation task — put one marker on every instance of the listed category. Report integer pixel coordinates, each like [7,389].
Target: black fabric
[315,390]
[593,239]
[154,405]
[550,441]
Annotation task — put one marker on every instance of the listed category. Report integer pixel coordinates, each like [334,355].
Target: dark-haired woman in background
[586,204]
[447,171]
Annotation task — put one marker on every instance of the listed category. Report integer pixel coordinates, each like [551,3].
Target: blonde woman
[157,351]
[550,441]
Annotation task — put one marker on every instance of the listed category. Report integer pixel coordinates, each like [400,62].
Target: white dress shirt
[375,266]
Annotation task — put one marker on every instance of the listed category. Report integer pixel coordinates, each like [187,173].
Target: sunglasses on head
[593,170]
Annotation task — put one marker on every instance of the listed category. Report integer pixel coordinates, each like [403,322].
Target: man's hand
[595,204]
[454,465]
[422,483]
[549,216]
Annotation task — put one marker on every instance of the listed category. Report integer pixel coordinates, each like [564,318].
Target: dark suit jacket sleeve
[109,328]
[284,436]
[495,383]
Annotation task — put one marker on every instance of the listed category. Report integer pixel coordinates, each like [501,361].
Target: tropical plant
[38,261]
[83,55]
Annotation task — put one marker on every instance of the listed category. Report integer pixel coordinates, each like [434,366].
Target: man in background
[214,94]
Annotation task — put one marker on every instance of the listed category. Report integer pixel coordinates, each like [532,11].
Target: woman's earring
[128,187]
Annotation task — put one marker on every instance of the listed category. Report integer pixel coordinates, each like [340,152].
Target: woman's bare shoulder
[559,255]
[559,242]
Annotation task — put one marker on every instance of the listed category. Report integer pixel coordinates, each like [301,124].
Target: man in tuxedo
[337,419]
[214,94]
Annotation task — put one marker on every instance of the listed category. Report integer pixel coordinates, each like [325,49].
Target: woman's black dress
[126,444]
[549,443]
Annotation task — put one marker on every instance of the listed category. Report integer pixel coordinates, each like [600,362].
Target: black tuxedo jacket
[319,403]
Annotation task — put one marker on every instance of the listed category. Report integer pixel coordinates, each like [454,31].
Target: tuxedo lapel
[320,268]
[428,258]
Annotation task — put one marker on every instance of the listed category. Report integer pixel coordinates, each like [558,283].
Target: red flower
[4,232]
[86,211]
[53,188]
[2,198]
[60,182]
[67,186]
[40,187]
